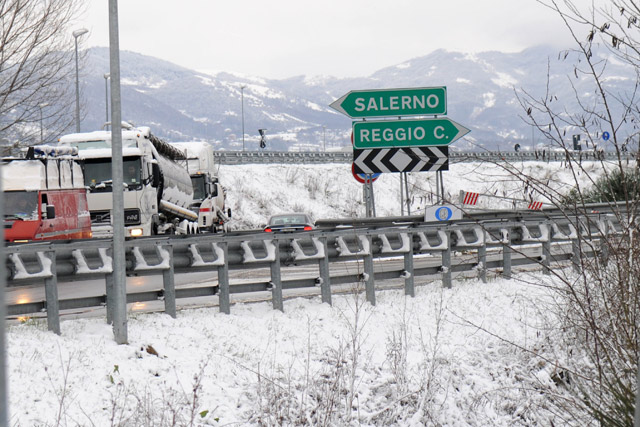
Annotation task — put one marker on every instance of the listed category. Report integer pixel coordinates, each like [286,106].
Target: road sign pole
[401,197]
[406,189]
[365,195]
[373,199]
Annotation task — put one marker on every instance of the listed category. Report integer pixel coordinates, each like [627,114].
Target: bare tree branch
[36,72]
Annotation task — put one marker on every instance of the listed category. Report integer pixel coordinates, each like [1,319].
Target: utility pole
[242,101]
[76,34]
[119,285]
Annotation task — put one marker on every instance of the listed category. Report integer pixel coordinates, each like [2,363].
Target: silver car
[289,223]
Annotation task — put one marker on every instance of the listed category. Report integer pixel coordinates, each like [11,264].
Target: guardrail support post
[506,257]
[575,257]
[276,279]
[223,281]
[604,243]
[169,286]
[369,281]
[108,281]
[409,288]
[546,257]
[446,262]
[325,285]
[51,292]
[482,263]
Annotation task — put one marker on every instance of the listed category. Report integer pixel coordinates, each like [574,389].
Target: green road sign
[406,133]
[393,102]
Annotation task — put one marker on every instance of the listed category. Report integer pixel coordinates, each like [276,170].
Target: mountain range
[180,104]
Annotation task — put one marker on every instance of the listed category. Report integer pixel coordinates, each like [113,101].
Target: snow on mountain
[480,91]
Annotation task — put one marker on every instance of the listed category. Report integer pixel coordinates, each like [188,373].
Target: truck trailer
[157,188]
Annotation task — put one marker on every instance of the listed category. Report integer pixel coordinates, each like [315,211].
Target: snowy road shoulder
[455,356]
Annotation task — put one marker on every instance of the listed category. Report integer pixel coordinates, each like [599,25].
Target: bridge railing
[249,157]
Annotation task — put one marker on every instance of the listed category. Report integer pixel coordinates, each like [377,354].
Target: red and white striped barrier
[535,206]
[470,198]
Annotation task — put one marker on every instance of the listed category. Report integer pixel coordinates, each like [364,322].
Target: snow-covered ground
[456,356]
[330,191]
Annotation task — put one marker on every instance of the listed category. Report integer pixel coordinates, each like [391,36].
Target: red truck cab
[44,197]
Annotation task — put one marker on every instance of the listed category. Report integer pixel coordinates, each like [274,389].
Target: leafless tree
[36,68]
[599,305]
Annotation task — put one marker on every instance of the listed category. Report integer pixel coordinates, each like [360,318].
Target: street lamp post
[242,101]
[324,138]
[41,106]
[106,99]
[76,34]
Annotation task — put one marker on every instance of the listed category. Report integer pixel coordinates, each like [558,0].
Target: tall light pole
[117,285]
[106,99]
[41,106]
[242,101]
[76,34]
[324,138]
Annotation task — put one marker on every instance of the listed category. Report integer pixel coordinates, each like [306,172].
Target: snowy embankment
[254,192]
[457,356]
[447,356]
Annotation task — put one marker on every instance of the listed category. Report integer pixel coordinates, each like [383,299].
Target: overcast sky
[342,38]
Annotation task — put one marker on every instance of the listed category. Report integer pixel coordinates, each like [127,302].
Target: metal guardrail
[249,157]
[78,260]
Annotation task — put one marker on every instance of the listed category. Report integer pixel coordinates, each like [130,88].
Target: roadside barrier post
[110,299]
[506,256]
[169,286]
[546,253]
[446,262]
[51,292]
[223,281]
[604,242]
[575,256]
[325,278]
[409,287]
[276,279]
[369,280]
[482,263]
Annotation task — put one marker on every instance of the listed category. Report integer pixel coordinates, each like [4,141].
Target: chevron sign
[415,159]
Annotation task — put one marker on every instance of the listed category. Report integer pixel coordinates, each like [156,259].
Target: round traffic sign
[362,177]
[444,213]
[605,136]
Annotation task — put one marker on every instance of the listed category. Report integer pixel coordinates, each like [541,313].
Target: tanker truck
[208,195]
[157,188]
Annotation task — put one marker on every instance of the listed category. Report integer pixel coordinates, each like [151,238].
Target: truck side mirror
[155,171]
[51,212]
[229,212]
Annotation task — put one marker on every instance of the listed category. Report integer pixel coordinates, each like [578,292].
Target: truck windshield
[97,172]
[199,191]
[21,204]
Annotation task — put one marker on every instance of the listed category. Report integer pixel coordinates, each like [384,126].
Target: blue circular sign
[605,136]
[444,213]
